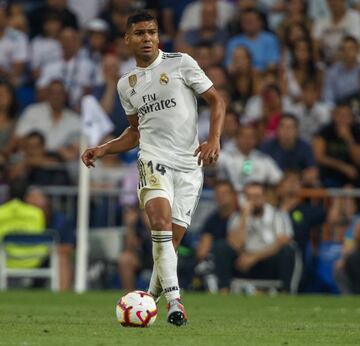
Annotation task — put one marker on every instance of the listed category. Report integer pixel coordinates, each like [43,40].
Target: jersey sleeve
[125,102]
[193,75]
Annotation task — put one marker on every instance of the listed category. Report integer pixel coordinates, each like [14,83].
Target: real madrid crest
[132,80]
[153,180]
[164,79]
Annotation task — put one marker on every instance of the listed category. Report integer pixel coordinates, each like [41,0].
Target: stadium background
[266,58]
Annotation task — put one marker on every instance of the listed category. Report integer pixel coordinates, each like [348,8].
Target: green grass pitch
[42,318]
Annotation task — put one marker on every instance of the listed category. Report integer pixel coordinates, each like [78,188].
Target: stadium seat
[31,242]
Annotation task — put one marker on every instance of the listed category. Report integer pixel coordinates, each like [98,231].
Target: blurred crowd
[289,71]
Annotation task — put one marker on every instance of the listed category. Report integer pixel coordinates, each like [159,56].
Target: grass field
[42,318]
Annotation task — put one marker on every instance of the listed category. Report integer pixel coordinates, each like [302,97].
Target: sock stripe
[160,238]
[161,241]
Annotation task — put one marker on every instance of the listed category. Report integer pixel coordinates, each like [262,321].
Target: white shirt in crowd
[13,48]
[86,10]
[163,97]
[310,119]
[254,108]
[191,17]
[241,169]
[262,231]
[331,34]
[77,74]
[43,51]
[37,117]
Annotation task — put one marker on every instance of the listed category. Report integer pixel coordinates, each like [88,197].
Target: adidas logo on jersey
[133,92]
[188,213]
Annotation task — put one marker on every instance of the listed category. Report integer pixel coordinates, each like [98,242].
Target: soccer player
[159,98]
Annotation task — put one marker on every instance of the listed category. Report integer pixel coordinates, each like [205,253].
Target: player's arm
[209,151]
[128,140]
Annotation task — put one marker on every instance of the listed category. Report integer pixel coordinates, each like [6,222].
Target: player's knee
[160,223]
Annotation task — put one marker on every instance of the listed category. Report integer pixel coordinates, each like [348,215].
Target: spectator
[37,167]
[57,221]
[107,95]
[311,113]
[59,125]
[17,215]
[246,163]
[136,254]
[243,78]
[191,17]
[337,149]
[217,225]
[273,10]
[13,50]
[171,15]
[290,152]
[76,71]
[346,271]
[330,31]
[45,48]
[295,13]
[127,61]
[85,10]
[263,46]
[230,130]
[343,78]
[303,68]
[295,32]
[305,217]
[116,14]
[17,18]
[8,113]
[97,45]
[258,245]
[265,110]
[208,32]
[58,7]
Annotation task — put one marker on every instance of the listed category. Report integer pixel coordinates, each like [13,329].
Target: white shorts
[181,189]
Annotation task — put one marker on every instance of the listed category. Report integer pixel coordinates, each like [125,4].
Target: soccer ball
[136,309]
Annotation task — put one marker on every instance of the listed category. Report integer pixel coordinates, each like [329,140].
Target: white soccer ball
[136,309]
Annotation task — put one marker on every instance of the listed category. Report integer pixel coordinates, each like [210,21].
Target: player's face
[143,40]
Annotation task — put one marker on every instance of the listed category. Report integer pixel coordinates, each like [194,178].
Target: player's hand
[208,152]
[91,155]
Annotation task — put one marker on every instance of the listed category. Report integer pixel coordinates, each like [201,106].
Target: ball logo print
[136,309]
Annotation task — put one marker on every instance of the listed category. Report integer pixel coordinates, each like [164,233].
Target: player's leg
[165,259]
[155,288]
[176,311]
[187,188]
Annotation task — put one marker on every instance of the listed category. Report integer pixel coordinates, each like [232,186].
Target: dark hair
[287,30]
[351,39]
[14,105]
[226,183]
[290,116]
[311,68]
[140,16]
[254,183]
[36,134]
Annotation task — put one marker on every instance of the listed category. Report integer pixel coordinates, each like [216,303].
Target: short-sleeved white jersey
[163,96]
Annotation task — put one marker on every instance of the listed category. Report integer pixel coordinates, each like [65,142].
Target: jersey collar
[154,63]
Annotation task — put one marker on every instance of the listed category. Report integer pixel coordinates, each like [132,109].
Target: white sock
[155,288]
[165,260]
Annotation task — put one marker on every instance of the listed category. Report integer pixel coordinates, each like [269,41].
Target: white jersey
[163,96]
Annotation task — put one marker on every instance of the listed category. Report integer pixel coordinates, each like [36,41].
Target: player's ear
[127,38]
